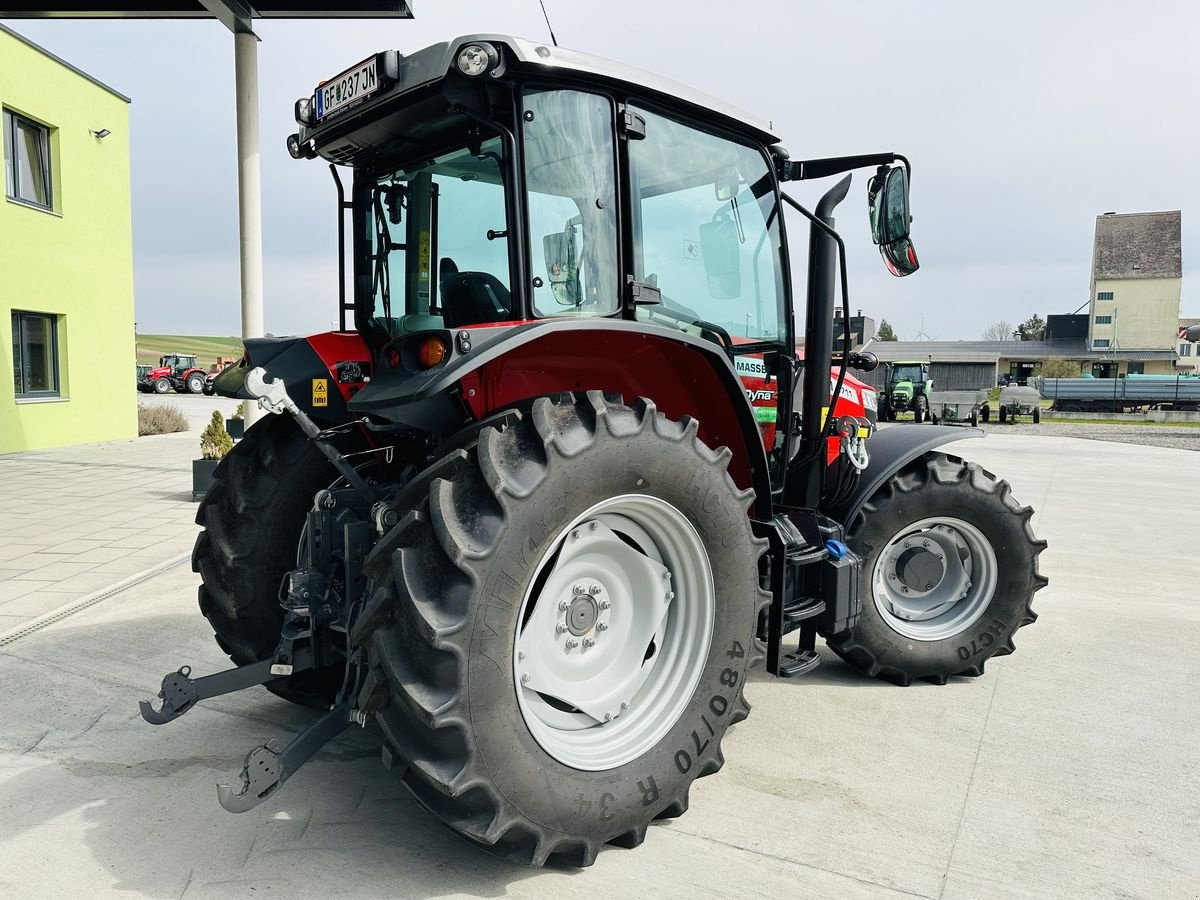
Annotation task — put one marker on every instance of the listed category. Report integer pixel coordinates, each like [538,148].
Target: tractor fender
[508,364]
[890,451]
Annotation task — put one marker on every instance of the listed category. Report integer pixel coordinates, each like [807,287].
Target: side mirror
[720,247]
[887,201]
[562,266]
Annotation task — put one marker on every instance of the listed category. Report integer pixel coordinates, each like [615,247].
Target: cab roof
[424,67]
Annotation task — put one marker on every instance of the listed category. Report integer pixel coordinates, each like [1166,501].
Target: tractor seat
[473,298]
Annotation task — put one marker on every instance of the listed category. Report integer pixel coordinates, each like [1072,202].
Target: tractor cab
[178,363]
[907,389]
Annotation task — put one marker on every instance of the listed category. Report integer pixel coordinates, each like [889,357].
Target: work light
[476,59]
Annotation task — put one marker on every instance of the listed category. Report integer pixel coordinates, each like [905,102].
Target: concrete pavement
[1070,769]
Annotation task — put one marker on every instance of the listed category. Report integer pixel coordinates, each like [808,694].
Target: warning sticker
[423,262]
[320,392]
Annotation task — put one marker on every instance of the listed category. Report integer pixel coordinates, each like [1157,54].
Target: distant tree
[885,332]
[1032,329]
[999,331]
[1060,368]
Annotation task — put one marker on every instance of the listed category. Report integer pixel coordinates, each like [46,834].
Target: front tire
[161,385]
[950,567]
[509,551]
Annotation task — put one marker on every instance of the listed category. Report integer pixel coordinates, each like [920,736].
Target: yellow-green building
[66,254]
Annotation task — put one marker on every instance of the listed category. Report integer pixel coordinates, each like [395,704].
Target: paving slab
[1070,769]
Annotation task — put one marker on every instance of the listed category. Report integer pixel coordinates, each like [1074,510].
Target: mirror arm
[803,169]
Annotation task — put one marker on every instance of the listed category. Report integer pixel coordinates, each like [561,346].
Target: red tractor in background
[563,479]
[175,370]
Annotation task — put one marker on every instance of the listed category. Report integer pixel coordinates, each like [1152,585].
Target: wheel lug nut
[525,679]
[521,654]
[589,642]
[602,626]
[578,589]
[608,717]
[560,628]
[892,576]
[594,589]
[624,706]
[906,543]
[572,643]
[604,604]
[563,605]
[593,526]
[925,543]
[575,534]
[666,576]
[669,596]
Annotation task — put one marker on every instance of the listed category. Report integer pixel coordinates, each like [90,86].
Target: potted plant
[236,426]
[215,442]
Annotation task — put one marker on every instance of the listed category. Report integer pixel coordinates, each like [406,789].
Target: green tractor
[906,389]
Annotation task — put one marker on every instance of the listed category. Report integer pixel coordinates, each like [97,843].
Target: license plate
[348,89]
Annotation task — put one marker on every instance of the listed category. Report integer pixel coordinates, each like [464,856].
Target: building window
[26,160]
[1185,349]
[1100,343]
[1136,368]
[1103,320]
[1104,295]
[35,355]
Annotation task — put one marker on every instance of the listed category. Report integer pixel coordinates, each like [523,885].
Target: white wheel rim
[613,632]
[934,578]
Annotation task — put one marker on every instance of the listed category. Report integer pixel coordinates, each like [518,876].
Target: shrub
[1060,368]
[160,420]
[215,441]
[240,412]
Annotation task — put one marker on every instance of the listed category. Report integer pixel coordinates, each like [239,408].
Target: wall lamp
[101,134]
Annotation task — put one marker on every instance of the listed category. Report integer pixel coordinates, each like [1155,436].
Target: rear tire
[252,519]
[986,414]
[1003,414]
[484,539]
[195,383]
[1037,415]
[944,504]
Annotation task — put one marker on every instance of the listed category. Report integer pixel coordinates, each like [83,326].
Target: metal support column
[245,63]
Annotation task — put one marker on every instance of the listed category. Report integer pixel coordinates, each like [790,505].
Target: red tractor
[566,479]
[175,370]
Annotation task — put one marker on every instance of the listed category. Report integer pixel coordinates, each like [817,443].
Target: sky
[1023,121]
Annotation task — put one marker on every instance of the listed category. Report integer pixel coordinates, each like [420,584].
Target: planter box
[202,477]
[236,428]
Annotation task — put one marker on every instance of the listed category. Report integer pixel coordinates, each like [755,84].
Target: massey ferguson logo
[755,396]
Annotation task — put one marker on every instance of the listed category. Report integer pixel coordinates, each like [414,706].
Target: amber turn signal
[431,352]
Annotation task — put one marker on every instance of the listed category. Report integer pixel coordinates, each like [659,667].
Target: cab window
[570,179]
[706,232]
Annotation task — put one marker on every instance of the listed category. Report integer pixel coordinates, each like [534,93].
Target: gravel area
[1180,438]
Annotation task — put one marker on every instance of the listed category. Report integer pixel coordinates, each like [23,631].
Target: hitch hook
[178,695]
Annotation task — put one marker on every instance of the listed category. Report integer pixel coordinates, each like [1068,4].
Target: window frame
[1101,344]
[21,391]
[1104,296]
[1104,320]
[10,120]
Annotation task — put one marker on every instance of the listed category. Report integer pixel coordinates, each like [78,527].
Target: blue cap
[836,548]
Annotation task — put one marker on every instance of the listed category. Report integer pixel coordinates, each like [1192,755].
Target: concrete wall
[1145,313]
[74,262]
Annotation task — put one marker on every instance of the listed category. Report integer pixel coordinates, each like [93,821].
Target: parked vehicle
[175,370]
[143,371]
[959,407]
[906,388]
[533,514]
[1129,394]
[1018,401]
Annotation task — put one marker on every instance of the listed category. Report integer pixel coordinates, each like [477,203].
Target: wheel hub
[935,578]
[582,614]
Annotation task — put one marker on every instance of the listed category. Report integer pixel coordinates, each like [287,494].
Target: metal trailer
[959,407]
[1020,401]
[1135,392]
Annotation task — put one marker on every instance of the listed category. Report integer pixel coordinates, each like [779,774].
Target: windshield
[437,243]
[906,373]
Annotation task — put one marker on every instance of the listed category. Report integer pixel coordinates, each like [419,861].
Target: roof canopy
[236,15]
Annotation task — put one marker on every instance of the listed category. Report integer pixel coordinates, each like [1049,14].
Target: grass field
[151,346]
